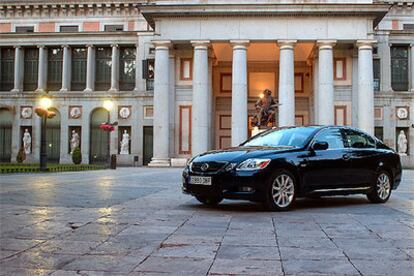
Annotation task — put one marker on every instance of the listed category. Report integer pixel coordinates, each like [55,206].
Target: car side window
[332,136]
[359,140]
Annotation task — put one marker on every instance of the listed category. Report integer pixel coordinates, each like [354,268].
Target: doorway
[148,145]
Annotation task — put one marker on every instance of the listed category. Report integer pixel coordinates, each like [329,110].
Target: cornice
[153,11]
[59,9]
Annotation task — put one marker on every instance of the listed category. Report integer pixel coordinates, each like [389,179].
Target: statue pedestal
[257,130]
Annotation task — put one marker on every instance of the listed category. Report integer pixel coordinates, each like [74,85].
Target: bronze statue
[266,108]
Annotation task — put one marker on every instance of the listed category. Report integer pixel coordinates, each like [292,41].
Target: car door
[326,169]
[363,155]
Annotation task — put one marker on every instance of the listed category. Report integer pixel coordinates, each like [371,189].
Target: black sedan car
[279,165]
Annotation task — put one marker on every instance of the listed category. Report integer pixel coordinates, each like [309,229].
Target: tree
[21,155]
[77,156]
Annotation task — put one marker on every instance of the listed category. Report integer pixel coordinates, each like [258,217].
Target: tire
[281,191]
[210,200]
[381,191]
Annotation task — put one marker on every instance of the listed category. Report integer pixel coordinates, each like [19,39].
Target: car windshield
[288,137]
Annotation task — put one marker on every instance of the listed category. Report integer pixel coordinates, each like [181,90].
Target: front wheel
[210,200]
[382,189]
[281,191]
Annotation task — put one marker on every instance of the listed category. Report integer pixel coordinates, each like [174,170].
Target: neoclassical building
[182,77]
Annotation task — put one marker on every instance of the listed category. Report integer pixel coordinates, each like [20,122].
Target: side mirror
[320,146]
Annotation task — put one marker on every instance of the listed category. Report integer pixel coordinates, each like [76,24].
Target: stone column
[365,86]
[287,83]
[115,69]
[172,106]
[412,67]
[315,83]
[200,131]
[161,104]
[239,92]
[384,51]
[90,69]
[18,69]
[42,69]
[66,68]
[326,87]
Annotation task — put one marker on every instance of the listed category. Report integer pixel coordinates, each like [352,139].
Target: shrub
[77,156]
[21,156]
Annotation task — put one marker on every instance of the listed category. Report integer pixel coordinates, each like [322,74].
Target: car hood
[238,154]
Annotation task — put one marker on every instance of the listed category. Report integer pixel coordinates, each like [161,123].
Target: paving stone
[66,247]
[246,266]
[384,267]
[175,266]
[194,250]
[315,253]
[18,244]
[332,266]
[105,263]
[248,252]
[38,260]
[185,239]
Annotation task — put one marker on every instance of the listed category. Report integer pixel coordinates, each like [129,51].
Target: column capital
[286,44]
[200,44]
[240,44]
[89,45]
[326,44]
[162,44]
[365,44]
[41,46]
[17,46]
[65,46]
[114,45]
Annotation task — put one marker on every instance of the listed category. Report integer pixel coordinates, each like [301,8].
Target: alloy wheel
[283,190]
[383,186]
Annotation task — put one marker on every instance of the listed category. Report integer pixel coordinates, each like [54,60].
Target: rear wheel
[210,200]
[382,189]
[281,191]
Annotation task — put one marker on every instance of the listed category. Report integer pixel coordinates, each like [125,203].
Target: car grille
[212,167]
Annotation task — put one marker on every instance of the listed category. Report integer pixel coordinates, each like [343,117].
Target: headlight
[253,164]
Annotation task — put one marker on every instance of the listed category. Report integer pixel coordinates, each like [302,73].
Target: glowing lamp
[108,104]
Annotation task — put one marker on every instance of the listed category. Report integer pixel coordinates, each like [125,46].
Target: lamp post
[43,112]
[109,127]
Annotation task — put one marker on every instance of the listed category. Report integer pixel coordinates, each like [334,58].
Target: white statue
[74,141]
[402,143]
[125,143]
[27,141]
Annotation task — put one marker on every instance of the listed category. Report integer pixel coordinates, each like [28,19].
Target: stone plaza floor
[136,221]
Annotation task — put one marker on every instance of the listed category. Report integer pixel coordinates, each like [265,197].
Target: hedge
[34,168]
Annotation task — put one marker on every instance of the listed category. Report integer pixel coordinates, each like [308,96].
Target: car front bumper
[248,185]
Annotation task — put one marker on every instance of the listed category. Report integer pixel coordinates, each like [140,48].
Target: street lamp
[45,102]
[108,105]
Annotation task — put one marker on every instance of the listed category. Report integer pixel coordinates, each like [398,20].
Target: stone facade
[210,62]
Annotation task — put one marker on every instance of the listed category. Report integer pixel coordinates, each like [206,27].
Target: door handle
[346,157]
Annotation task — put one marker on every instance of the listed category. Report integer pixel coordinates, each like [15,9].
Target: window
[377,74]
[25,29]
[288,137]
[148,73]
[408,26]
[69,29]
[31,63]
[186,70]
[332,136]
[7,69]
[399,68]
[114,28]
[79,56]
[103,68]
[358,140]
[127,68]
[54,69]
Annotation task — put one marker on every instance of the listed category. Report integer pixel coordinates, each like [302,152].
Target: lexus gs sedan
[279,165]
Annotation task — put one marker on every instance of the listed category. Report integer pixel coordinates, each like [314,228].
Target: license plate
[200,180]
